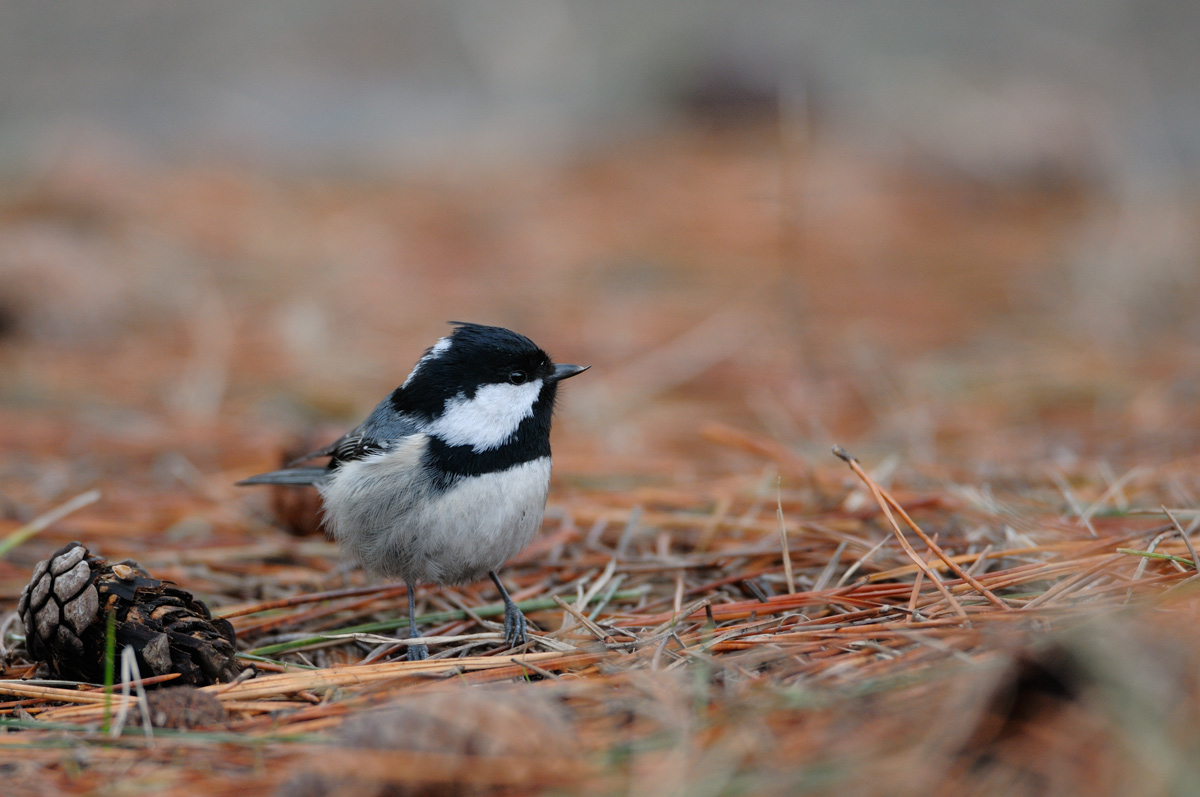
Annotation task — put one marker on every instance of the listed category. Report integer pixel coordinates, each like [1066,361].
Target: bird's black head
[484,392]
[469,358]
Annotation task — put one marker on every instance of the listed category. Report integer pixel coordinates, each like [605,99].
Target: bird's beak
[563,371]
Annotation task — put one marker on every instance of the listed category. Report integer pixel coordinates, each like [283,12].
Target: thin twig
[884,496]
[783,540]
[908,549]
[1187,540]
[53,516]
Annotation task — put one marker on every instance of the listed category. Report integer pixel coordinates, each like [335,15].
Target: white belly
[400,526]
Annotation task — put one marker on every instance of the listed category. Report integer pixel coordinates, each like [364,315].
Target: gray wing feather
[385,425]
[290,476]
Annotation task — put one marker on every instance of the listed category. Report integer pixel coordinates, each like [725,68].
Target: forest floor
[993,593]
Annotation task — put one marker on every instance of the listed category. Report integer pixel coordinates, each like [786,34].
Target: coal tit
[447,478]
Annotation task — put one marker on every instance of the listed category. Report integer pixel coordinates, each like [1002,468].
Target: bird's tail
[291,476]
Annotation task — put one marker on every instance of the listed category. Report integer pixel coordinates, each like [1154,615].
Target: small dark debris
[183,707]
[297,510]
[754,588]
[10,317]
[1039,684]
[727,96]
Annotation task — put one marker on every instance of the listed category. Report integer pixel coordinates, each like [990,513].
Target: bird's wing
[355,444]
[381,431]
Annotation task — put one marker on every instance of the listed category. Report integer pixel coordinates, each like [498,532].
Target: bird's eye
[518,377]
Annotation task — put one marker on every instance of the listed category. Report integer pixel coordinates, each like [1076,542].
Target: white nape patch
[435,351]
[487,420]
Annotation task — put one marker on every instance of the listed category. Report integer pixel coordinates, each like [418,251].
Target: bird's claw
[418,652]
[514,626]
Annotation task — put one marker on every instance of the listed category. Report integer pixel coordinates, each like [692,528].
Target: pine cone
[66,602]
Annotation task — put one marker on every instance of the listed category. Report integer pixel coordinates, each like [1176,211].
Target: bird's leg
[415,652]
[514,621]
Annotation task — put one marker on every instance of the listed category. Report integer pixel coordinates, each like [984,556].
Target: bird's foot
[514,625]
[418,652]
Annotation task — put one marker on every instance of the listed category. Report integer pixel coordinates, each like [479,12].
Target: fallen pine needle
[53,516]
[885,499]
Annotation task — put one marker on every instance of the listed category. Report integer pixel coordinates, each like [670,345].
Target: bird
[448,476]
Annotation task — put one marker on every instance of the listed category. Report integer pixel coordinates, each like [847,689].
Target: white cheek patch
[437,350]
[487,420]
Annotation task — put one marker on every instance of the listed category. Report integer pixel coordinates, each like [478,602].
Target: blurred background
[949,233]
[962,240]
